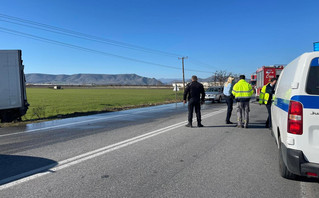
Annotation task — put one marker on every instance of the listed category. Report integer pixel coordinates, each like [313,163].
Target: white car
[295,117]
[214,94]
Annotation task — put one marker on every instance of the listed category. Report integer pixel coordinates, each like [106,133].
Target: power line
[87,49]
[76,34]
[197,62]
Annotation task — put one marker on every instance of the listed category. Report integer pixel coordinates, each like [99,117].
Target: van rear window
[313,77]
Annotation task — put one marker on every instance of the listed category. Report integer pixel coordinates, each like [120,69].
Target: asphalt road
[145,153]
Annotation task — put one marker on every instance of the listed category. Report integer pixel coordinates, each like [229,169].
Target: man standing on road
[267,91]
[228,86]
[194,90]
[242,91]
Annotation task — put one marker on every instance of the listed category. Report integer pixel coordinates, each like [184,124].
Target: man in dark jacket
[270,89]
[194,90]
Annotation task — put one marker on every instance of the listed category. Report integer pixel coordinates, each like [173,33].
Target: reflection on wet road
[111,116]
[35,135]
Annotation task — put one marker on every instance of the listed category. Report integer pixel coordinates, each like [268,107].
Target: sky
[147,37]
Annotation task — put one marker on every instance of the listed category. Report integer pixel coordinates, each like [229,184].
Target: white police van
[295,117]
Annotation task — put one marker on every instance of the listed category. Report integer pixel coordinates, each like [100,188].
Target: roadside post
[176,89]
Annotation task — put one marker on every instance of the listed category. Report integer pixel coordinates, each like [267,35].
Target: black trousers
[268,122]
[229,102]
[191,105]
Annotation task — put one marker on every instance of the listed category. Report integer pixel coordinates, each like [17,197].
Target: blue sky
[235,35]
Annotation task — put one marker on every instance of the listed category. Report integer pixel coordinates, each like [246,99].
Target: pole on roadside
[176,89]
[184,57]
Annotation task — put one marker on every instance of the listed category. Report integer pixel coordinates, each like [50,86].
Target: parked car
[214,94]
[295,117]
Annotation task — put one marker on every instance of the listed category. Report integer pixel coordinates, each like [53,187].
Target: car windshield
[312,86]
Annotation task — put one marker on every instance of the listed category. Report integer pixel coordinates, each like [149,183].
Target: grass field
[48,103]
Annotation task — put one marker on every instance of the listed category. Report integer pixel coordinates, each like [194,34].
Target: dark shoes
[190,125]
[229,122]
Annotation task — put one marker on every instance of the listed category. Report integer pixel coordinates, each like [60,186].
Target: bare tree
[221,76]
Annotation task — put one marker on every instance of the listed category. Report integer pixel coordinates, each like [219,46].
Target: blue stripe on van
[309,102]
[282,104]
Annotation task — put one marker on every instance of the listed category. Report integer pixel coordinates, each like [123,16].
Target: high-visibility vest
[242,89]
[263,96]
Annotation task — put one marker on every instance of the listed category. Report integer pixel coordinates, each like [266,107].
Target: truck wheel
[284,172]
[9,116]
[6,118]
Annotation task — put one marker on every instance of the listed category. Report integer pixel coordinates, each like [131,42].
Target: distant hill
[209,79]
[169,81]
[98,79]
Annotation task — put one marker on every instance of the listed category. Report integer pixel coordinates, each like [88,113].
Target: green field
[50,103]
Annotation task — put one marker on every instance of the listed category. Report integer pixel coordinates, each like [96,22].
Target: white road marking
[79,122]
[33,174]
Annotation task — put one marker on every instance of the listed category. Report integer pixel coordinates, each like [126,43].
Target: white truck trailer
[13,98]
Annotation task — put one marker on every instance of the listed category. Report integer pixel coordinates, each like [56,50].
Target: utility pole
[183,70]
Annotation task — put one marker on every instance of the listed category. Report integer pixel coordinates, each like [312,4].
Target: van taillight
[295,118]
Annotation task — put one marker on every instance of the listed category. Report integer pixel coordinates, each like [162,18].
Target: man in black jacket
[270,89]
[194,90]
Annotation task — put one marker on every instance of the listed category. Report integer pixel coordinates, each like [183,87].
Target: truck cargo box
[13,101]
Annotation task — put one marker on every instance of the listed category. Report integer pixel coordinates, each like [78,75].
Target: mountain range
[84,79]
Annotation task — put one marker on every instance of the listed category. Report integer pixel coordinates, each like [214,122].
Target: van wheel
[284,172]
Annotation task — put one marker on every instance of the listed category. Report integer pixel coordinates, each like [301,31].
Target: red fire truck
[264,74]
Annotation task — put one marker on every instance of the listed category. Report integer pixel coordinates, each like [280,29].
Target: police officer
[242,91]
[267,91]
[194,90]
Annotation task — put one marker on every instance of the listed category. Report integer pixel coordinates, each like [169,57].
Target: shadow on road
[256,126]
[306,179]
[14,167]
[250,125]
[221,126]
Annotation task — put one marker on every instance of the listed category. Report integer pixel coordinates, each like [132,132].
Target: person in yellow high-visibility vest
[263,96]
[268,91]
[242,91]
